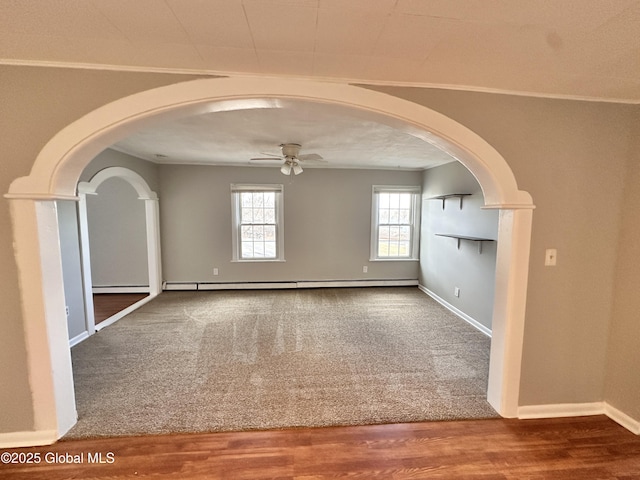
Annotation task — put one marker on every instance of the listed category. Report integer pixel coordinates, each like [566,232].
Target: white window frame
[236,210]
[414,236]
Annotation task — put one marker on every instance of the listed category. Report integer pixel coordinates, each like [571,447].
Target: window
[395,223]
[257,222]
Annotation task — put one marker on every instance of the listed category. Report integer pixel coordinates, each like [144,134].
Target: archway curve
[57,168]
[132,178]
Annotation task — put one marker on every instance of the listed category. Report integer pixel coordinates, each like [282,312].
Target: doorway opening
[58,167]
[116,259]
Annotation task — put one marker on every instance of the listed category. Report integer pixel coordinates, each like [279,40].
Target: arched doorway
[151,219]
[58,167]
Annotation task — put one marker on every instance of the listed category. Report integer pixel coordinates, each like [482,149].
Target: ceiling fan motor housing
[290,150]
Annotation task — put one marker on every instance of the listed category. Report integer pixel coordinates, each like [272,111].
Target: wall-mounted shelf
[479,240]
[451,195]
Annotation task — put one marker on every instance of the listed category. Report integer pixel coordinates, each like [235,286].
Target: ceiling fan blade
[310,156]
[269,159]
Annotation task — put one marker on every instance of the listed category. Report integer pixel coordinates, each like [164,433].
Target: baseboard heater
[280,285]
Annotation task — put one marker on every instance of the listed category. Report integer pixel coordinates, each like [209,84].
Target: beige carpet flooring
[240,360]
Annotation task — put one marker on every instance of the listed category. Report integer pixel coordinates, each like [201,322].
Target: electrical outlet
[550,257]
[215,271]
[365,269]
[456,291]
[66,309]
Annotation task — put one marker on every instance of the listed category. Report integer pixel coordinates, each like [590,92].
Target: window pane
[394,216]
[270,233]
[384,215]
[258,249]
[405,200]
[247,250]
[405,216]
[383,248]
[403,249]
[405,233]
[383,233]
[246,233]
[394,233]
[247,215]
[246,199]
[269,199]
[393,248]
[394,200]
[270,249]
[269,215]
[258,199]
[258,215]
[383,200]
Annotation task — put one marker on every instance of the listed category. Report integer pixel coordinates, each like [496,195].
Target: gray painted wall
[622,389]
[573,157]
[71,269]
[442,265]
[117,235]
[327,221]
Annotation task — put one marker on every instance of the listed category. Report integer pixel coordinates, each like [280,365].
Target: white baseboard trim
[111,320]
[78,338]
[561,410]
[179,286]
[281,285]
[358,283]
[580,410]
[28,439]
[123,289]
[622,418]
[456,311]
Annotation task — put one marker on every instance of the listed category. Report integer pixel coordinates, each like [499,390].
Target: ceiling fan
[292,158]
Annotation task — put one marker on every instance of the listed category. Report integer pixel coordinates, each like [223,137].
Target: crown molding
[361,82]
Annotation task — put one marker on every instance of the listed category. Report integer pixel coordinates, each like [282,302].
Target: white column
[85,258]
[512,271]
[154,260]
[37,252]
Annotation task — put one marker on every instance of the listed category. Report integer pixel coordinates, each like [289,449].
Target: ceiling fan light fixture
[297,169]
[286,168]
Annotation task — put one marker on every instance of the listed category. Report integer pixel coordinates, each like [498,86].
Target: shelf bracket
[460,196]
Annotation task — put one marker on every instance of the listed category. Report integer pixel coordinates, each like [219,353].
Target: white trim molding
[561,410]
[27,439]
[580,410]
[59,165]
[295,284]
[622,418]
[456,311]
[78,338]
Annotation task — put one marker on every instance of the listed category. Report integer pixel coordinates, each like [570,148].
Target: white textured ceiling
[568,48]
[588,49]
[344,137]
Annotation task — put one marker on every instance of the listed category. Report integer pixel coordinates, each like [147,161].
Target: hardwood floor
[568,448]
[107,304]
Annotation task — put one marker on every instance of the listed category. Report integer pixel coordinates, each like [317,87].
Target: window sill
[258,260]
[394,259]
